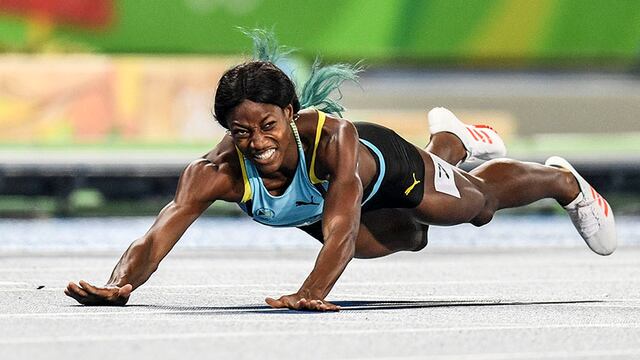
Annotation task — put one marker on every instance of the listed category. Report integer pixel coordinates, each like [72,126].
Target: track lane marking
[315,332]
[356,284]
[522,355]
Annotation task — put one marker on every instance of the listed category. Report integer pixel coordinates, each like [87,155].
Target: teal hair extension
[323,81]
[265,46]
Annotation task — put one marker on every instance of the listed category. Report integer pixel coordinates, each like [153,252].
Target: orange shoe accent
[482,126]
[601,201]
[472,134]
[487,136]
[479,135]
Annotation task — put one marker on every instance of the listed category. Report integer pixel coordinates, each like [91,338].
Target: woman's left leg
[497,184]
[504,183]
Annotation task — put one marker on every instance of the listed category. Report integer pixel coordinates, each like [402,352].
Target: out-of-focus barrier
[167,101]
[532,107]
[101,100]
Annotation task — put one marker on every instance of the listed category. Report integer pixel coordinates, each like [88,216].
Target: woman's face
[262,133]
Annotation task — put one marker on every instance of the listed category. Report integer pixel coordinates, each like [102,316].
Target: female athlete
[358,188]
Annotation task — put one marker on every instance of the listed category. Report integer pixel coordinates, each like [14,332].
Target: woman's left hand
[298,302]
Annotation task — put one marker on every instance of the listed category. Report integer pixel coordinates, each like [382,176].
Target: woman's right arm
[200,184]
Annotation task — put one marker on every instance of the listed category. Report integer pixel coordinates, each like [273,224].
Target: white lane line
[598,354]
[350,296]
[607,305]
[255,287]
[480,281]
[261,285]
[12,283]
[141,312]
[53,269]
[204,335]
[386,283]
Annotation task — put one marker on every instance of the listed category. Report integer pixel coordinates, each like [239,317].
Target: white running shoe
[481,142]
[590,213]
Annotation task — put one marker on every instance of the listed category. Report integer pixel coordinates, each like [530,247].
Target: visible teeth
[265,154]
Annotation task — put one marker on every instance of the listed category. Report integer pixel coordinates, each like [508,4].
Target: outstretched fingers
[276,304]
[77,293]
[88,294]
[301,304]
[282,302]
[110,293]
[90,288]
[75,289]
[321,305]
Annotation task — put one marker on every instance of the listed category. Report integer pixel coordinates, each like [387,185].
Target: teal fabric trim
[382,169]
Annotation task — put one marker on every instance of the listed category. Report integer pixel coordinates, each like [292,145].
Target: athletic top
[302,202]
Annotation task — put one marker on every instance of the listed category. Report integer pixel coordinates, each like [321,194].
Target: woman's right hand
[87,294]
[201,183]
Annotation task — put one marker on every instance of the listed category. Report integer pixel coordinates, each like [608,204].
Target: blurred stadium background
[103,102]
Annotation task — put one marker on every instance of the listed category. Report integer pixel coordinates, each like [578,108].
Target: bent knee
[421,241]
[483,218]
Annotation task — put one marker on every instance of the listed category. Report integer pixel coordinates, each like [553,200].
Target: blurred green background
[448,32]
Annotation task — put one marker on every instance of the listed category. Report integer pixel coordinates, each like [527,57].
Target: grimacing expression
[262,133]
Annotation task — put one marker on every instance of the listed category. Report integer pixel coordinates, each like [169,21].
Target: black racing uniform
[402,185]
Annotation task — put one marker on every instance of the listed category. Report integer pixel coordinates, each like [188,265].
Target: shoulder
[337,149]
[334,128]
[215,176]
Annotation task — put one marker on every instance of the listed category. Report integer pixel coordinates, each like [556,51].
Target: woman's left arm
[340,222]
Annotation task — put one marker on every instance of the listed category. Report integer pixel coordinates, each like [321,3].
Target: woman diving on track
[359,188]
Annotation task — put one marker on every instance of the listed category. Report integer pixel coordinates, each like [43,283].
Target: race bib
[443,177]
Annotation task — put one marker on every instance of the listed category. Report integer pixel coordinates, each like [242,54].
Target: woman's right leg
[382,232]
[386,231]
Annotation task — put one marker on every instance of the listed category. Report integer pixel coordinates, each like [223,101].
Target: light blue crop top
[302,202]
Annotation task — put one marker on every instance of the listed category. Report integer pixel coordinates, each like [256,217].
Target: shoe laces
[587,216]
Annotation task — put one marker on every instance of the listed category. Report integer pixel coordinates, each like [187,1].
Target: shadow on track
[354,305]
[390,305]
